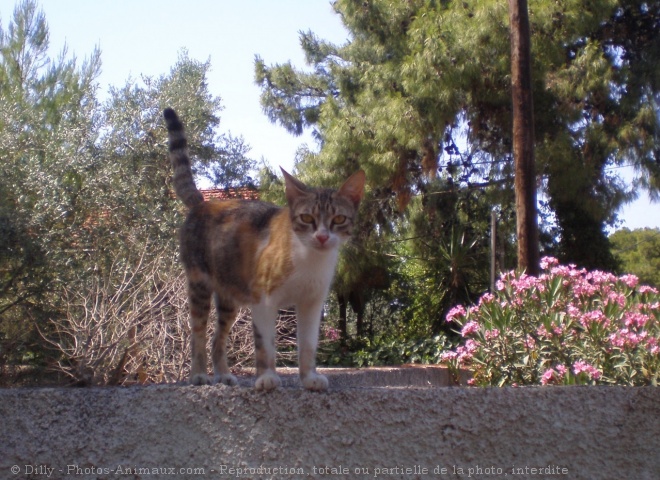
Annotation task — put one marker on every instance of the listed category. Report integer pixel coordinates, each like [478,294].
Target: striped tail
[184,184]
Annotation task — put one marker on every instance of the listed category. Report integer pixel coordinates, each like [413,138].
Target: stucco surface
[442,432]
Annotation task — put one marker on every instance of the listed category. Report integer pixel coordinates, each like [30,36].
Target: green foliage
[567,326]
[85,191]
[639,253]
[416,75]
[385,351]
[419,97]
[449,248]
[136,202]
[46,129]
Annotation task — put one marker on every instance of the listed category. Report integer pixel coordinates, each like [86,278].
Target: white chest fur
[313,271]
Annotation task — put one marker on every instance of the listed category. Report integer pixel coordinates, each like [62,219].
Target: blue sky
[144,37]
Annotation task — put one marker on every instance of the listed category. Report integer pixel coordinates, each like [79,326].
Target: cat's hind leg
[264,320]
[199,301]
[226,318]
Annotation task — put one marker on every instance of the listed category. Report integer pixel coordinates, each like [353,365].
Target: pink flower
[543,332]
[647,289]
[652,345]
[554,374]
[524,283]
[463,354]
[472,346]
[635,319]
[625,338]
[584,289]
[486,298]
[470,328]
[617,339]
[448,356]
[560,271]
[557,330]
[490,334]
[601,278]
[530,343]
[547,262]
[630,280]
[592,317]
[633,339]
[616,297]
[590,370]
[547,376]
[573,311]
[332,334]
[454,313]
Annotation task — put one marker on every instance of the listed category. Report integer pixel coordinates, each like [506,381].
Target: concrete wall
[151,432]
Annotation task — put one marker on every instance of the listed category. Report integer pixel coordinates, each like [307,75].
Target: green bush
[380,352]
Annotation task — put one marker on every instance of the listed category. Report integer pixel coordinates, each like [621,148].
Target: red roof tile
[245,193]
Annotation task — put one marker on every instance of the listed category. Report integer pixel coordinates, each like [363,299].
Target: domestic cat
[255,254]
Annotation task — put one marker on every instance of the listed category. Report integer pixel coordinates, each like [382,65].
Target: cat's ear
[353,188]
[294,187]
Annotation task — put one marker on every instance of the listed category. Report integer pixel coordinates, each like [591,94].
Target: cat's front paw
[225,379]
[200,379]
[315,382]
[267,382]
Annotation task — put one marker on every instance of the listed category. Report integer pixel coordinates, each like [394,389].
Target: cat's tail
[184,184]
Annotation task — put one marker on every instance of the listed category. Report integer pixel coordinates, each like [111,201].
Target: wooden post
[493,249]
[523,139]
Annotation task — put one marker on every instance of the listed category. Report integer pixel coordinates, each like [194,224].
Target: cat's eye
[339,219]
[307,218]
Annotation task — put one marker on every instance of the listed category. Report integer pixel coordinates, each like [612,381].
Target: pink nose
[322,238]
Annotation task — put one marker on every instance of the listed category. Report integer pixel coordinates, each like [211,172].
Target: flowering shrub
[331,333]
[567,326]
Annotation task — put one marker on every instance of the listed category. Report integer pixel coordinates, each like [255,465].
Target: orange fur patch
[215,206]
[275,264]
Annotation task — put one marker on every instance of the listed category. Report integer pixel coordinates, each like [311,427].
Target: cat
[255,254]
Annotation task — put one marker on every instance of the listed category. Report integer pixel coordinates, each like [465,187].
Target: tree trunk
[523,139]
[356,300]
[343,324]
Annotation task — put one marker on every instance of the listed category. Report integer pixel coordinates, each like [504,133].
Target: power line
[654,232]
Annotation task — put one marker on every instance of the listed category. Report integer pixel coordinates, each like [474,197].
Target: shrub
[567,326]
[131,325]
[382,352]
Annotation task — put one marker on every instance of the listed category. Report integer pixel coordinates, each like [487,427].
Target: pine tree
[417,72]
[420,97]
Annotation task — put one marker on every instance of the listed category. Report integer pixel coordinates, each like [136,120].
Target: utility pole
[493,249]
[523,139]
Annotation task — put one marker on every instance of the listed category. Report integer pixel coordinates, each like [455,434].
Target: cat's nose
[322,238]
